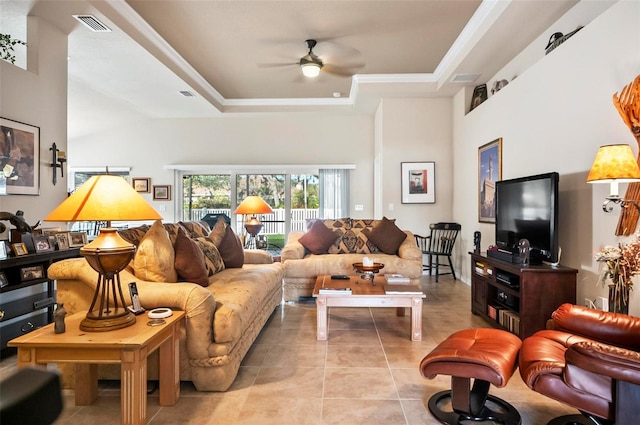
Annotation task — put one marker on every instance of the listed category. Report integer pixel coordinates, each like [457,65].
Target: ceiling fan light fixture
[310,69]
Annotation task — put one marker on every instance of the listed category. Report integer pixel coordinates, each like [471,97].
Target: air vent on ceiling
[465,78]
[186,93]
[92,23]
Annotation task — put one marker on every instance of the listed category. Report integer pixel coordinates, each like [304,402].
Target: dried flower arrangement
[622,263]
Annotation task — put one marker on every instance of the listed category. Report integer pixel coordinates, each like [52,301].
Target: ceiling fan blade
[276,65]
[342,71]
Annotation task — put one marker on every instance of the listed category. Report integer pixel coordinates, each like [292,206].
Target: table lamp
[614,164]
[253,205]
[106,198]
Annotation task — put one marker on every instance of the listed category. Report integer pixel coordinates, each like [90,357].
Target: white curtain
[334,193]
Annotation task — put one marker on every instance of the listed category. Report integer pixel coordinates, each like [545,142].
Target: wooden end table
[129,346]
[364,294]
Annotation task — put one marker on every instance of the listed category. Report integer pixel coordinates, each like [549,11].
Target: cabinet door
[478,295]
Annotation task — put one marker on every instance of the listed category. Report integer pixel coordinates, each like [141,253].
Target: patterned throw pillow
[318,239]
[386,235]
[135,234]
[172,231]
[190,263]
[212,257]
[155,258]
[360,228]
[195,229]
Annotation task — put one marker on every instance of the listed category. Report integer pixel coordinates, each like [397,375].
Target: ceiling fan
[311,64]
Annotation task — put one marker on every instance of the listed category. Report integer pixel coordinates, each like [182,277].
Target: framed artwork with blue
[489,172]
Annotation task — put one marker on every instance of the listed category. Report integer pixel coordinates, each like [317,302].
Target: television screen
[527,208]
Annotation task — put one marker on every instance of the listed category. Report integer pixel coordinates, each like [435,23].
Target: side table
[128,346]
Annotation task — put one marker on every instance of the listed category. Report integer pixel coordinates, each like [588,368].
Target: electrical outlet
[604,303]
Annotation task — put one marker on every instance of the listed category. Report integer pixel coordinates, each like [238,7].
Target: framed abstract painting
[418,182]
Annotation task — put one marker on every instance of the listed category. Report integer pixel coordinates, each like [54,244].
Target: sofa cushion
[189,262]
[135,234]
[318,239]
[386,236]
[231,249]
[195,229]
[240,295]
[172,230]
[212,257]
[362,244]
[155,258]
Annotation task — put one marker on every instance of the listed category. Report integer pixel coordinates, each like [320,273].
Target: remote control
[340,277]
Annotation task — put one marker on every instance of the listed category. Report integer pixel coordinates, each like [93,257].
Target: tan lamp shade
[253,205]
[614,163]
[104,198]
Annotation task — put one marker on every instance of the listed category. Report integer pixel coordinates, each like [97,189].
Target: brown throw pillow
[318,239]
[218,231]
[190,263]
[155,257]
[386,236]
[231,250]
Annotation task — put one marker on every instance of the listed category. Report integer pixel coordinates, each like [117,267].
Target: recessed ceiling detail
[465,78]
[186,93]
[92,23]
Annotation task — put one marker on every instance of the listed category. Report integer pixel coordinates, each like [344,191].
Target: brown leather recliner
[587,359]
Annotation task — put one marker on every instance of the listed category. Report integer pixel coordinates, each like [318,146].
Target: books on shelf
[510,320]
[396,278]
[399,289]
[336,291]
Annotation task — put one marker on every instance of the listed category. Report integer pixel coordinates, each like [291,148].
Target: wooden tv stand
[519,298]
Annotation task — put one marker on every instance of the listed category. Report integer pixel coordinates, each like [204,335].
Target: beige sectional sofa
[379,240]
[224,313]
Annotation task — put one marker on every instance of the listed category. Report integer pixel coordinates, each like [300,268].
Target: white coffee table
[364,294]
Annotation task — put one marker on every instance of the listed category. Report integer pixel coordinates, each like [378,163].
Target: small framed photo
[19,249]
[42,243]
[31,273]
[141,184]
[162,193]
[418,182]
[3,250]
[3,280]
[62,240]
[77,239]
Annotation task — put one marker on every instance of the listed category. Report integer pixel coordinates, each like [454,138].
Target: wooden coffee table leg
[133,387]
[321,315]
[416,319]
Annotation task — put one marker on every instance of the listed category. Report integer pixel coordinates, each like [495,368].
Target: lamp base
[105,324]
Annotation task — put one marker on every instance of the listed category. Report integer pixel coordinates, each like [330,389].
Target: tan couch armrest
[293,250]
[76,282]
[257,256]
[408,249]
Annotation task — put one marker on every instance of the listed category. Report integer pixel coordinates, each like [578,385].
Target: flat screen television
[527,208]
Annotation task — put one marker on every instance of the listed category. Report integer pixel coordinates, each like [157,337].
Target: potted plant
[6,47]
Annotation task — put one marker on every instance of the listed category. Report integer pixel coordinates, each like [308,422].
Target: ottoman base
[471,404]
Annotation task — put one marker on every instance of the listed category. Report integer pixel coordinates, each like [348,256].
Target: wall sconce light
[615,164]
[59,158]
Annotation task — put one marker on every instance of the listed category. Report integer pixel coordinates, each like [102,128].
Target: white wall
[416,130]
[38,96]
[553,117]
[298,138]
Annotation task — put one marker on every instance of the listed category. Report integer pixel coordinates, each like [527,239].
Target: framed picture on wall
[20,160]
[161,193]
[141,184]
[489,172]
[418,181]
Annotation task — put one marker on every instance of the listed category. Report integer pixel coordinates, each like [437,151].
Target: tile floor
[366,373]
